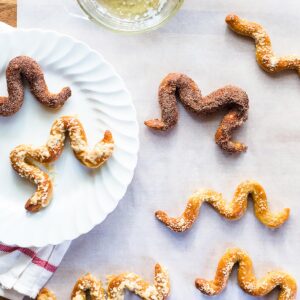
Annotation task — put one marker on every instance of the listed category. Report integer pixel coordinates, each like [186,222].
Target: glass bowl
[117,14]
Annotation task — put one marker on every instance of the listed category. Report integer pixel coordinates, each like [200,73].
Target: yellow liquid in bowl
[132,9]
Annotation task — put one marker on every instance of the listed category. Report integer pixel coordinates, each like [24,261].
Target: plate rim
[74,235]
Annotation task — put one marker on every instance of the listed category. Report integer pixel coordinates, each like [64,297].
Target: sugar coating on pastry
[231,99]
[232,210]
[264,53]
[22,157]
[248,282]
[88,285]
[117,285]
[24,67]
[46,294]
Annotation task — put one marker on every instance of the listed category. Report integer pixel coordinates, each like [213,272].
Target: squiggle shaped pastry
[232,210]
[132,282]
[246,278]
[25,67]
[21,157]
[117,285]
[46,294]
[189,94]
[264,53]
[88,284]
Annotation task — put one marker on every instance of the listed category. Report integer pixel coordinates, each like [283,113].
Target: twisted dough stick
[22,155]
[46,294]
[246,278]
[189,94]
[88,284]
[232,210]
[117,286]
[264,53]
[159,291]
[25,67]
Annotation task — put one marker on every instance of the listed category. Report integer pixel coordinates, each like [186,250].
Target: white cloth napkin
[24,271]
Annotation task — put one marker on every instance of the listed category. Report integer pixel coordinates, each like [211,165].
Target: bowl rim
[128,31]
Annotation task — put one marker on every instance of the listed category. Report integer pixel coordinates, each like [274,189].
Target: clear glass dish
[130,15]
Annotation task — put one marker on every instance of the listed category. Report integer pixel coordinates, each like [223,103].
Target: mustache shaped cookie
[21,157]
[24,67]
[116,287]
[228,97]
[264,53]
[246,279]
[230,210]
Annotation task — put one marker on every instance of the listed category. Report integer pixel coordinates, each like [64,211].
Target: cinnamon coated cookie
[24,67]
[230,98]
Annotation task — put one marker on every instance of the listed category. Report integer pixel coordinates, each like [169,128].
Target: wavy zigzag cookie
[21,157]
[132,282]
[230,210]
[246,278]
[88,284]
[264,53]
[46,294]
[25,67]
[233,98]
[117,285]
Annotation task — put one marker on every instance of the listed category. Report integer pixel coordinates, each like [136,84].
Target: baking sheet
[173,165]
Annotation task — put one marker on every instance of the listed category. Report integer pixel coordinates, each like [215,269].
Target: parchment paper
[173,165]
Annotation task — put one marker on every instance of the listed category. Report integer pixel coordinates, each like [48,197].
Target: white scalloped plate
[82,197]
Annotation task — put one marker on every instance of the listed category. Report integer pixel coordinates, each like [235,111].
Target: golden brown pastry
[230,210]
[229,97]
[117,285]
[21,157]
[247,280]
[264,53]
[25,67]
[45,294]
[88,287]
[88,284]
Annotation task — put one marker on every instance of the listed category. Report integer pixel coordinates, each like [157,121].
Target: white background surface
[171,166]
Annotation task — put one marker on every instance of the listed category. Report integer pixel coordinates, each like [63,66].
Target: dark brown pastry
[24,67]
[177,85]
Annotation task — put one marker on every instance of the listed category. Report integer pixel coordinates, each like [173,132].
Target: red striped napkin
[24,271]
